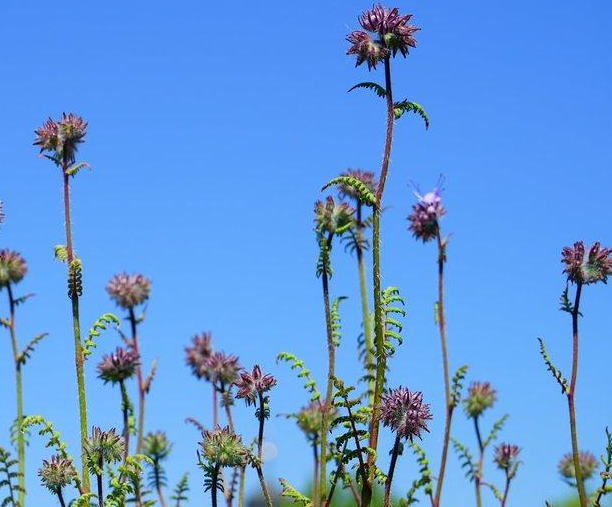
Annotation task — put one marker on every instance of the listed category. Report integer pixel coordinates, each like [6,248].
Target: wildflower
[332,217]
[103,447]
[61,138]
[366,177]
[12,267]
[506,456]
[367,49]
[118,366]
[252,385]
[129,291]
[590,269]
[309,418]
[481,396]
[404,412]
[156,445]
[425,215]
[588,465]
[57,473]
[223,447]
[198,353]
[222,368]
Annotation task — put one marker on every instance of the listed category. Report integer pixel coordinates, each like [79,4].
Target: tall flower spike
[12,267]
[480,397]
[251,385]
[506,456]
[592,268]
[57,473]
[405,413]
[332,217]
[425,215]
[198,353]
[366,177]
[222,368]
[118,366]
[61,138]
[588,466]
[129,291]
[224,448]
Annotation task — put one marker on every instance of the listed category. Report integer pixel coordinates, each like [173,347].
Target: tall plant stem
[379,331]
[331,365]
[478,475]
[440,317]
[241,487]
[158,484]
[389,480]
[506,491]
[19,395]
[264,486]
[61,498]
[125,407]
[228,493]
[141,386]
[100,487]
[262,481]
[213,489]
[79,359]
[571,399]
[315,476]
[215,407]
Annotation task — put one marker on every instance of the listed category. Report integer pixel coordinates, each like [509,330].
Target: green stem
[158,484]
[141,385]
[389,480]
[125,407]
[571,399]
[506,490]
[264,486]
[478,475]
[76,327]
[315,477]
[379,331]
[241,487]
[19,395]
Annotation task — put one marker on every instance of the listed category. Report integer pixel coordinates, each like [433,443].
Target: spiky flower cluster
[405,413]
[222,368]
[198,354]
[425,215]
[12,267]
[506,456]
[332,217]
[252,385]
[366,177]
[118,366]
[57,473]
[223,447]
[392,33]
[156,445]
[103,447]
[480,397]
[592,268]
[60,138]
[129,291]
[588,465]
[309,418]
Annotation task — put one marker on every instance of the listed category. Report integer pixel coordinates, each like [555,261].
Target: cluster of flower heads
[217,367]
[129,291]
[156,445]
[425,215]
[12,267]
[310,417]
[405,413]
[253,385]
[60,138]
[366,177]
[332,217]
[506,456]
[480,397]
[118,366]
[588,466]
[390,33]
[582,268]
[223,447]
[57,473]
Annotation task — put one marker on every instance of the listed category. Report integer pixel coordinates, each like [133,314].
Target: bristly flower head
[60,138]
[118,366]
[252,385]
[129,291]
[392,31]
[222,368]
[198,353]
[105,446]
[366,177]
[156,445]
[12,267]
[56,474]
[506,456]
[224,448]
[588,466]
[332,217]
[480,397]
[593,268]
[309,418]
[425,215]
[405,413]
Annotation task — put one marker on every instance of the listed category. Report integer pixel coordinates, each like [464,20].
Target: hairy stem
[262,420]
[61,498]
[241,487]
[213,489]
[315,476]
[264,486]
[571,399]
[125,410]
[478,475]
[394,453]
[379,331]
[141,385]
[76,327]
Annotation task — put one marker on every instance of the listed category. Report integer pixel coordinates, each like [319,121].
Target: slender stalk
[141,386]
[571,399]
[506,490]
[262,481]
[389,480]
[379,332]
[76,327]
[125,407]
[447,389]
[61,498]
[19,396]
[100,487]
[478,475]
[315,476]
[158,485]
[241,487]
[264,486]
[215,407]
[213,489]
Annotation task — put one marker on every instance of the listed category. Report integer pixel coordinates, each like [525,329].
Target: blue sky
[211,132]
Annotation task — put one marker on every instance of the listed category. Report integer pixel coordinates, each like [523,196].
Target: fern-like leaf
[75,278]
[375,87]
[94,332]
[561,380]
[75,168]
[465,459]
[22,299]
[390,298]
[304,373]
[364,193]
[335,319]
[606,474]
[457,385]
[29,348]
[424,480]
[324,259]
[405,106]
[497,427]
[16,430]
[290,492]
[496,492]
[60,253]
[180,491]
[8,476]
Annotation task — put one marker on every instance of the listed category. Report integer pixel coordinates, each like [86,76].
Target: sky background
[212,129]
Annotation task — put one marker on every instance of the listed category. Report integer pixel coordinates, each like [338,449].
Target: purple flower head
[57,473]
[103,447]
[592,268]
[129,291]
[222,369]
[480,397]
[425,215]
[367,49]
[223,447]
[198,353]
[588,466]
[405,413]
[118,366]
[252,385]
[12,267]
[506,456]
[332,217]
[60,138]
[366,177]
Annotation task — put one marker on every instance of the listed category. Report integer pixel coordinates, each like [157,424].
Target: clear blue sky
[211,132]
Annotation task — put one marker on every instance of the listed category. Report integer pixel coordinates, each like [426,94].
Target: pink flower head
[60,138]
[506,456]
[252,385]
[425,215]
[222,368]
[118,366]
[480,397]
[332,217]
[585,269]
[12,267]
[367,49]
[588,466]
[405,413]
[129,291]
[198,353]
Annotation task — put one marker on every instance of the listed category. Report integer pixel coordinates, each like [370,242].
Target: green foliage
[290,492]
[15,430]
[465,458]
[457,384]
[335,320]
[22,299]
[94,332]
[297,364]
[180,491]
[497,427]
[25,354]
[365,194]
[120,488]
[324,259]
[75,278]
[390,297]
[424,480]
[60,253]
[496,492]
[553,369]
[606,475]
[75,168]
[399,108]
[150,376]
[8,479]
[379,90]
